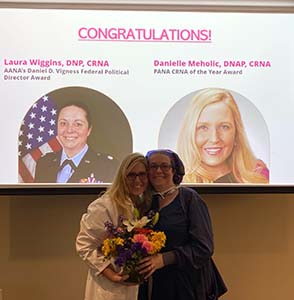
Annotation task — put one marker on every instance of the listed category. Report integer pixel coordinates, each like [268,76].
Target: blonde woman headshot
[212,142]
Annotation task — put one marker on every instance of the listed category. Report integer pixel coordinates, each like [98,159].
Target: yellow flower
[158,240]
[119,241]
[106,247]
[109,247]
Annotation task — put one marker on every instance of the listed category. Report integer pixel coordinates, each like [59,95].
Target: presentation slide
[80,89]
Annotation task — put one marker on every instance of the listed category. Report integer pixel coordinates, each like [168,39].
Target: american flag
[37,136]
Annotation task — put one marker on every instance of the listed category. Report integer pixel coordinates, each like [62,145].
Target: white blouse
[89,239]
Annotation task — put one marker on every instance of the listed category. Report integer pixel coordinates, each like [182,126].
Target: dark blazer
[201,279]
[206,279]
[97,164]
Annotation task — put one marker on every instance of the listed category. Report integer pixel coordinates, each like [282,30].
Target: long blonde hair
[119,193]
[242,161]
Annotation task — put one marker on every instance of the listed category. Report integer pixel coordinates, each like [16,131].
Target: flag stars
[42,119]
[29,146]
[38,126]
[33,115]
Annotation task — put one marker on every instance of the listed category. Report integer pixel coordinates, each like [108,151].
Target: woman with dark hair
[184,270]
[76,162]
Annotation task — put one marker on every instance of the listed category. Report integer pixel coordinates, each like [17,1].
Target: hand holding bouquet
[131,241]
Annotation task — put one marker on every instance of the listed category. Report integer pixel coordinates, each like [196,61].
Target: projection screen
[147,79]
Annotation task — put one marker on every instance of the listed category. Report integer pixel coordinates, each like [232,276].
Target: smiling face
[73,129]
[160,172]
[215,137]
[137,179]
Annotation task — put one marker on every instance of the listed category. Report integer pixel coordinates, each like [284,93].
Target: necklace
[167,192]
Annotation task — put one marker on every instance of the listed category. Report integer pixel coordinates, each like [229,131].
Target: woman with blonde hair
[212,142]
[128,190]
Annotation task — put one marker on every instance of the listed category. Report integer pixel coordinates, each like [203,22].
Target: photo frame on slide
[178,131]
[39,136]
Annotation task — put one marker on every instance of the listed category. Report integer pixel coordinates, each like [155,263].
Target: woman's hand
[148,265]
[110,274]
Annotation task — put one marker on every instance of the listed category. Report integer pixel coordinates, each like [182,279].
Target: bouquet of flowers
[132,240]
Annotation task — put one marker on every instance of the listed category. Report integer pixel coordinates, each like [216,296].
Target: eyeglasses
[132,176]
[163,167]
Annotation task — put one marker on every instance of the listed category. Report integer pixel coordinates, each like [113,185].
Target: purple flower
[109,227]
[136,246]
[120,261]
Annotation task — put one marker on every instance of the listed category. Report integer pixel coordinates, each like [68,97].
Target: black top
[228,178]
[186,223]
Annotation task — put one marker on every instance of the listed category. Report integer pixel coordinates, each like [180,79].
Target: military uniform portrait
[72,135]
